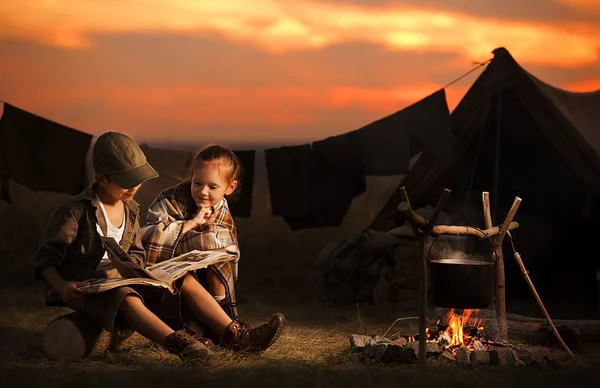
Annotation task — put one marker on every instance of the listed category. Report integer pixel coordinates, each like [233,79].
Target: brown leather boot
[186,347]
[238,338]
[228,306]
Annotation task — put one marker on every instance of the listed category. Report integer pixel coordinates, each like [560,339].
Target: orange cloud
[588,5]
[280,26]
[172,111]
[584,86]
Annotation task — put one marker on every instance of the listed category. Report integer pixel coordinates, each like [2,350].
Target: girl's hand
[203,215]
[72,295]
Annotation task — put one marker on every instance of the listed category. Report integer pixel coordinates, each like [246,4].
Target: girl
[195,215]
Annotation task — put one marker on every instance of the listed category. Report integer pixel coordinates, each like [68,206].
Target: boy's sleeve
[136,249]
[59,234]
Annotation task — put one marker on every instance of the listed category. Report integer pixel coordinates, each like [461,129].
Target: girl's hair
[229,164]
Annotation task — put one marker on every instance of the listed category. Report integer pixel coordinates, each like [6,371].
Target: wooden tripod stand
[423,229]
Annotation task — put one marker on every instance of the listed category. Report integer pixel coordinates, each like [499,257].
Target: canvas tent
[518,136]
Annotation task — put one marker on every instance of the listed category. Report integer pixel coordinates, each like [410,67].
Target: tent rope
[476,64]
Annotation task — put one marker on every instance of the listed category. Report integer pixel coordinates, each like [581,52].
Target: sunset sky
[272,71]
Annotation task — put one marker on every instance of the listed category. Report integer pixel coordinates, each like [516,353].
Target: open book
[163,274]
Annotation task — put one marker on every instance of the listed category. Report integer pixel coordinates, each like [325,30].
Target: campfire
[457,337]
[459,331]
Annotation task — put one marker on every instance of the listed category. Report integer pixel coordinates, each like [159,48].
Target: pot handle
[428,259]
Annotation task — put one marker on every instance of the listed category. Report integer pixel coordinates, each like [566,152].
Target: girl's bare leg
[204,306]
[144,321]
[214,284]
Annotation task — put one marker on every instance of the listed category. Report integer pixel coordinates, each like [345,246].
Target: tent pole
[497,156]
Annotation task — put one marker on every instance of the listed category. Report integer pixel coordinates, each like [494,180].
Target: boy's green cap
[121,158]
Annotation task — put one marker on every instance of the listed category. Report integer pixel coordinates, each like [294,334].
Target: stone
[375,351]
[400,341]
[480,357]
[463,356]
[538,351]
[447,356]
[380,340]
[409,356]
[358,342]
[516,358]
[413,345]
[501,356]
[534,355]
[432,348]
[477,345]
[393,354]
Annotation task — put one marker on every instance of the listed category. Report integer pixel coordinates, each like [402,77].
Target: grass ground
[313,351]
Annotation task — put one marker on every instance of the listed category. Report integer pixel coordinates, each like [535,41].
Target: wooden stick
[438,209]
[455,230]
[508,219]
[415,219]
[487,215]
[539,301]
[500,274]
[421,236]
[404,196]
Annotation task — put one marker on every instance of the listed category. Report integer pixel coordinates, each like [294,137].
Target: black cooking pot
[462,283]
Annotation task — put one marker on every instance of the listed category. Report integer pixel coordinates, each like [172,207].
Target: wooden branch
[411,216]
[539,301]
[487,215]
[423,289]
[404,196]
[437,210]
[415,219]
[455,230]
[508,219]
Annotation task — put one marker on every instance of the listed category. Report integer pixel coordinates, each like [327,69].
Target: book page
[171,270]
[126,266]
[95,286]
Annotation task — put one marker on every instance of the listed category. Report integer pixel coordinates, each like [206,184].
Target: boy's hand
[72,295]
[203,215]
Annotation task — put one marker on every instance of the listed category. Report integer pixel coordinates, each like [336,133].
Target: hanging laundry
[172,167]
[4,188]
[429,120]
[242,207]
[336,176]
[313,187]
[42,154]
[384,145]
[288,173]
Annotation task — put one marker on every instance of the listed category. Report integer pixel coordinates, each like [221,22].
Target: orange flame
[456,324]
